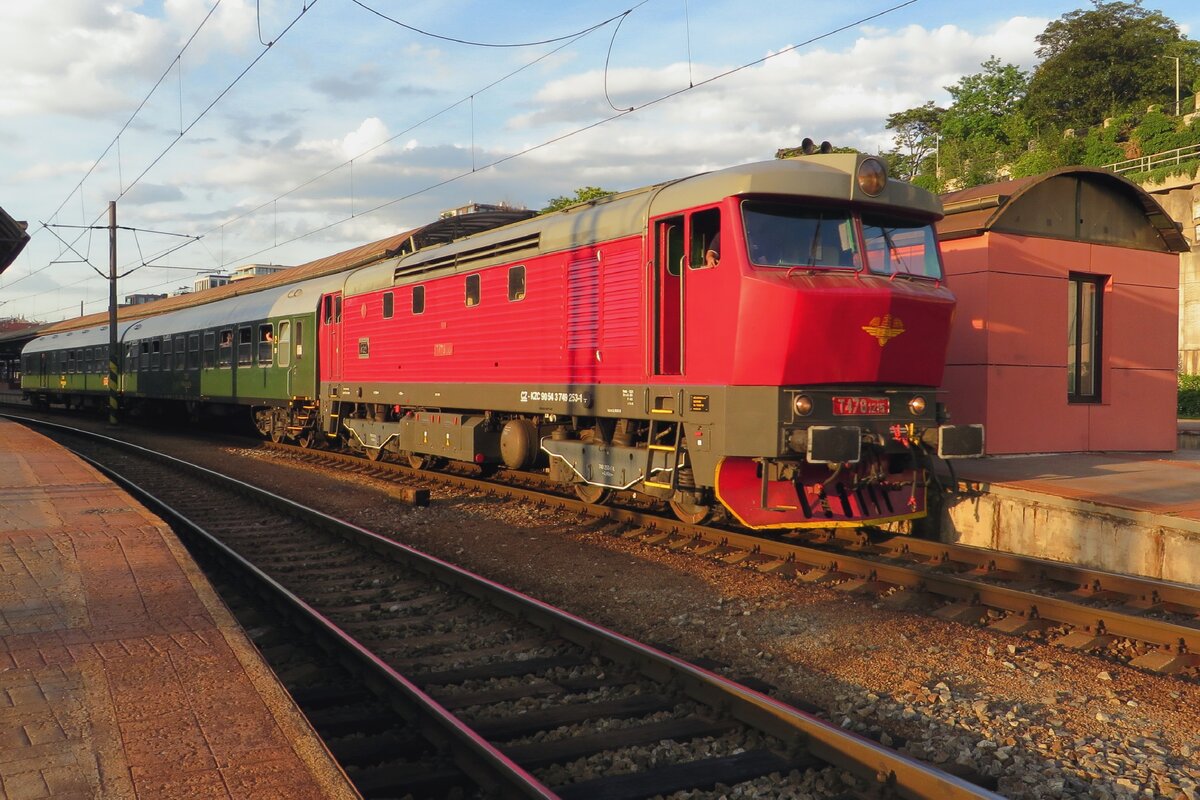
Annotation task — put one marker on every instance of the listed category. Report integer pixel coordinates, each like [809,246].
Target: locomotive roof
[828,178]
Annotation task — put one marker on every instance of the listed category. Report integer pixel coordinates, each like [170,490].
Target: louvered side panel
[622,299]
[583,304]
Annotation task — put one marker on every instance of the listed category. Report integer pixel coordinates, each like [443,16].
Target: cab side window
[704,239]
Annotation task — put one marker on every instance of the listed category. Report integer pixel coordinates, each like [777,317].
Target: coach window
[285,343]
[131,359]
[266,340]
[155,353]
[418,300]
[180,352]
[472,290]
[1084,319]
[209,358]
[388,305]
[704,241]
[70,361]
[225,351]
[193,351]
[299,339]
[245,353]
[516,283]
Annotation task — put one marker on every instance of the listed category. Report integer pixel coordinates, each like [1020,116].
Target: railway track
[520,697]
[1155,624]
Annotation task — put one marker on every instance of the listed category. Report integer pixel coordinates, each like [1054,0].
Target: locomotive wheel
[374,453]
[596,495]
[306,438]
[688,509]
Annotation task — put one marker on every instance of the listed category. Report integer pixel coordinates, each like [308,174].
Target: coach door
[329,344]
[668,296]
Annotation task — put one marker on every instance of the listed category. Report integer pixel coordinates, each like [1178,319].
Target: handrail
[1147,163]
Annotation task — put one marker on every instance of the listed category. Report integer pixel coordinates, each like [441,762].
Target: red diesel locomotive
[767,338]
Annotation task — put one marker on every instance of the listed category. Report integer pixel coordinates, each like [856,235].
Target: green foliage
[582,195]
[1105,60]
[1189,396]
[1156,133]
[983,101]
[916,131]
[1035,162]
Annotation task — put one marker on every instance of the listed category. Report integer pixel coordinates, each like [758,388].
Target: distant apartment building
[139,299]
[253,271]
[209,282]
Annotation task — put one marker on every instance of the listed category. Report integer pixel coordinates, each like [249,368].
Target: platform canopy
[1076,203]
[13,239]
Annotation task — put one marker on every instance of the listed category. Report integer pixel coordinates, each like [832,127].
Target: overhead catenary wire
[308,5]
[517,154]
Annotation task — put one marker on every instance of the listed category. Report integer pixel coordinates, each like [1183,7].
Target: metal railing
[1146,163]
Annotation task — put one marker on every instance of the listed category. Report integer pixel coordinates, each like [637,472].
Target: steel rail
[905,776]
[476,756]
[958,572]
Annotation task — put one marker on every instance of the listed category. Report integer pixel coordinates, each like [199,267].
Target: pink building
[1065,338]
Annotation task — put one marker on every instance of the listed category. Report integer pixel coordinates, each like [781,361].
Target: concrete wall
[1183,205]
[1008,353]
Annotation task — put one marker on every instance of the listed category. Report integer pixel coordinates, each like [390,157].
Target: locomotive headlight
[917,406]
[803,405]
[872,176]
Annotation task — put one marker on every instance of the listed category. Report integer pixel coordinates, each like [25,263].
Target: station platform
[1134,513]
[122,675]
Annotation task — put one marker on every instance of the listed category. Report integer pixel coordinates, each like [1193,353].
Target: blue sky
[351,128]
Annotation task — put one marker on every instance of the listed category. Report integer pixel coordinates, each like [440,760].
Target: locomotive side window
[210,349]
[245,346]
[782,235]
[266,341]
[472,290]
[516,283]
[389,305]
[327,317]
[285,343]
[900,247]
[704,241]
[418,300]
[193,351]
[225,352]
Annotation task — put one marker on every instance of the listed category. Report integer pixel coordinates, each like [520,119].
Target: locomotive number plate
[860,406]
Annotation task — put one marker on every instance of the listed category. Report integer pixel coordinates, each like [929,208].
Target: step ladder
[670,453]
[303,419]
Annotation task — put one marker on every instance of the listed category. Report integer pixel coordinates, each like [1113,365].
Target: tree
[984,102]
[582,195]
[1097,63]
[916,131]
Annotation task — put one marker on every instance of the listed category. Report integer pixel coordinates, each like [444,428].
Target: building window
[1084,325]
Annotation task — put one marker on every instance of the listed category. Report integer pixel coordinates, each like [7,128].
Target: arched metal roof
[1075,203]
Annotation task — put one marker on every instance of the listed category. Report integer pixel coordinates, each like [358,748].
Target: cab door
[668,294]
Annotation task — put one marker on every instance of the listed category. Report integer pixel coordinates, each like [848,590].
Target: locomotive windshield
[900,247]
[781,235]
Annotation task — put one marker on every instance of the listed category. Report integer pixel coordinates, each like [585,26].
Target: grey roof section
[85,337]
[13,239]
[822,178]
